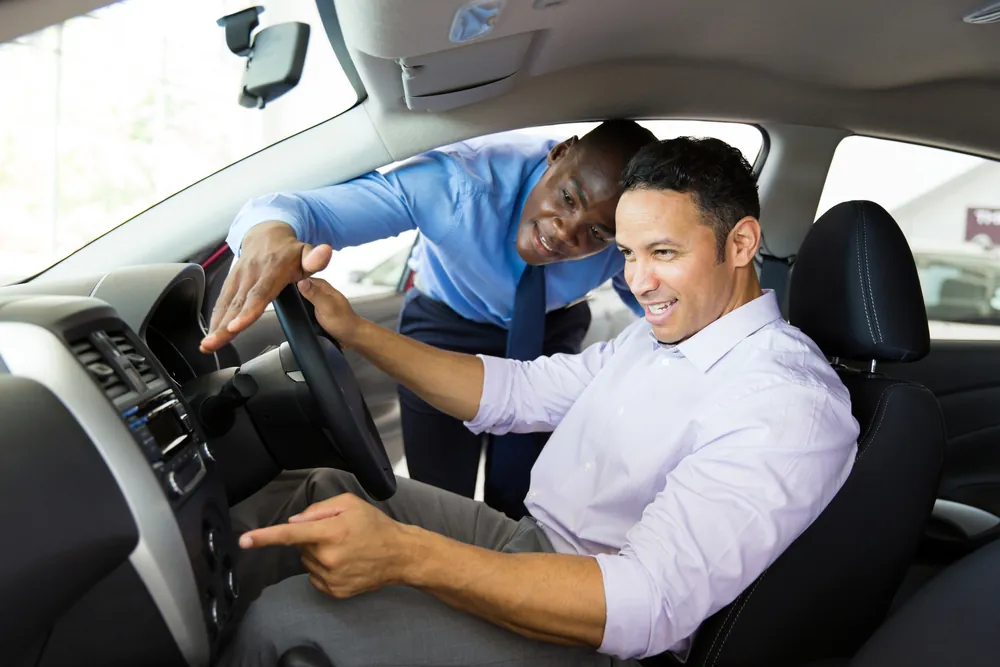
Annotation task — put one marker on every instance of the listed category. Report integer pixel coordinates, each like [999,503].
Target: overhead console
[156,580]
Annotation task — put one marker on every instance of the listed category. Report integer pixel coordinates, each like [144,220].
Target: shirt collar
[708,346]
[527,185]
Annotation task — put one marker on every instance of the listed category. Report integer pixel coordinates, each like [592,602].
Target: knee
[271,625]
[323,483]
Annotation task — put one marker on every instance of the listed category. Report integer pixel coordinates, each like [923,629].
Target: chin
[666,335]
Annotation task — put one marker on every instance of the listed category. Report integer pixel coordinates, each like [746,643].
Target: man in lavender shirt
[685,456]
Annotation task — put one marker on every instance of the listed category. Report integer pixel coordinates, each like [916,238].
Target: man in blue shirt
[491,213]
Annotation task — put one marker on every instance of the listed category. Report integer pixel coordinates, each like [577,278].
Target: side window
[371,270]
[948,206]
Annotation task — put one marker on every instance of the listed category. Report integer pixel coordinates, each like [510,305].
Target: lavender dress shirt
[685,470]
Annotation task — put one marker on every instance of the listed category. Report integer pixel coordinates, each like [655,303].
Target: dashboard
[119,548]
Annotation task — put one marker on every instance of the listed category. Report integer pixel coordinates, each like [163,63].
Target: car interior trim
[160,557]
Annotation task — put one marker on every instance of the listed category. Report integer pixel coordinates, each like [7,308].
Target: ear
[744,240]
[560,150]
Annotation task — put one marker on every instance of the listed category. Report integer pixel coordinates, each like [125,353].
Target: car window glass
[108,113]
[948,206]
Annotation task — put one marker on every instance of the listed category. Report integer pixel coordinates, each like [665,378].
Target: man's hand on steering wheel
[272,258]
[333,310]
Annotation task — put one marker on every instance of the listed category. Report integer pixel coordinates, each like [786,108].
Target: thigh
[440,450]
[392,626]
[414,503]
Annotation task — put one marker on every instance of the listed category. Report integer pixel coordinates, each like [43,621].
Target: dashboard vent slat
[141,364]
[105,374]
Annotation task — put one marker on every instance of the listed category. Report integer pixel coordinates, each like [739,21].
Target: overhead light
[475,19]
[989,14]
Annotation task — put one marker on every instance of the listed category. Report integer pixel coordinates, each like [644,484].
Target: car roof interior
[807,74]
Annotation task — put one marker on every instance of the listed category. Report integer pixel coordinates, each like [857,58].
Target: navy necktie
[508,470]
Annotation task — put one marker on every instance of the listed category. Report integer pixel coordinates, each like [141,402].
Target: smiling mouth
[660,308]
[547,247]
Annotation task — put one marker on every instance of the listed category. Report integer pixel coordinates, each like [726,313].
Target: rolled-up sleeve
[770,463]
[534,396]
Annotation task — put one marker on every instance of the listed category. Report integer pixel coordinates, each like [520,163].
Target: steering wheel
[338,397]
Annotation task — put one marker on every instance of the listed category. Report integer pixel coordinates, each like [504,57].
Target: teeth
[547,246]
[660,307]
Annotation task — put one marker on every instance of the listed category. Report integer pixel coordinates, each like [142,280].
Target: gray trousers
[395,625]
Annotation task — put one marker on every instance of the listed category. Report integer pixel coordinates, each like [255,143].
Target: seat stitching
[725,622]
[864,297]
[735,620]
[868,271]
[878,405]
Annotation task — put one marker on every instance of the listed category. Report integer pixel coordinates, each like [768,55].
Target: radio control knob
[212,544]
[213,612]
[232,585]
[173,486]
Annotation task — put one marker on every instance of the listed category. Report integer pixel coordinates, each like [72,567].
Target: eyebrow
[653,244]
[580,194]
[663,241]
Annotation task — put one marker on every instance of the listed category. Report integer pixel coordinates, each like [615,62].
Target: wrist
[356,332]
[416,556]
[269,232]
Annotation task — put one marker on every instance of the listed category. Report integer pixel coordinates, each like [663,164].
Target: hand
[272,258]
[333,310]
[348,546]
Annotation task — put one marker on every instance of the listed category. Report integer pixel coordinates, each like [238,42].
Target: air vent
[100,370]
[988,14]
[140,362]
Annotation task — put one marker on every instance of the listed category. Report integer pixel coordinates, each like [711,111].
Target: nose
[640,277]
[565,233]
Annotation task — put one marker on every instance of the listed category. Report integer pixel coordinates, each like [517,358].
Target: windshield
[109,113]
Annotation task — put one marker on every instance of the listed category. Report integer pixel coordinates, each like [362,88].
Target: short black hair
[619,137]
[718,177]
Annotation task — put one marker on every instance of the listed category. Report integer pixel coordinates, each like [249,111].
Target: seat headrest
[854,287]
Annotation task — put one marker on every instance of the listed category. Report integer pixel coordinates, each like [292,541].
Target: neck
[746,289]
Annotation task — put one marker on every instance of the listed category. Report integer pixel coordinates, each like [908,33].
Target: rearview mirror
[275,56]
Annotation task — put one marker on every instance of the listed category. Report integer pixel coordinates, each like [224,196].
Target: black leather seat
[950,621]
[854,291]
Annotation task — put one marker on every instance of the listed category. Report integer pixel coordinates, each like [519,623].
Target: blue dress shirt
[466,201]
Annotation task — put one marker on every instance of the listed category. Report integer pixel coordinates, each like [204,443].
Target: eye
[626,252]
[665,253]
[596,232]
[566,198]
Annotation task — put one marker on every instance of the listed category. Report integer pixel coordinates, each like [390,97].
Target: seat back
[854,291]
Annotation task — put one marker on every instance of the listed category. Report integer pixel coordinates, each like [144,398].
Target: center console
[172,600]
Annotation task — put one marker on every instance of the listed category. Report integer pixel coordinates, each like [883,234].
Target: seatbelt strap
[774,272]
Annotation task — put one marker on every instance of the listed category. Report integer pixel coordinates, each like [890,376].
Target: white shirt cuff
[629,603]
[496,378]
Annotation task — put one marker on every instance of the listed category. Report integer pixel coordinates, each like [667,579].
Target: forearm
[450,381]
[551,597]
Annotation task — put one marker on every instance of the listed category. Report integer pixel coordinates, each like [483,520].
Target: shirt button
[531,495]
[665,362]
[589,465]
[621,411]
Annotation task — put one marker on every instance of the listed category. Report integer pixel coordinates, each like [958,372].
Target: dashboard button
[172,486]
[212,545]
[232,585]
[213,612]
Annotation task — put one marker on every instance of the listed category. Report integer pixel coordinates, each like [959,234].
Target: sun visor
[463,75]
